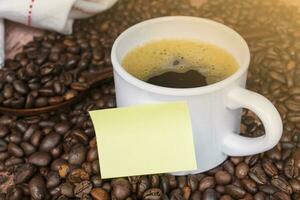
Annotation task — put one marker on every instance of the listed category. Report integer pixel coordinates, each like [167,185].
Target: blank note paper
[144,139]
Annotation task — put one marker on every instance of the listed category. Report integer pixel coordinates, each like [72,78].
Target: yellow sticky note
[144,139]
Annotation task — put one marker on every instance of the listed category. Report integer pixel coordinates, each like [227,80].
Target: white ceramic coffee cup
[215,109]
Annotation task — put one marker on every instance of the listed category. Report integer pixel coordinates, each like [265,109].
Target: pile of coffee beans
[54,155]
[49,70]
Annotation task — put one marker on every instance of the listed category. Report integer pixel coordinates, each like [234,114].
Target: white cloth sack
[56,15]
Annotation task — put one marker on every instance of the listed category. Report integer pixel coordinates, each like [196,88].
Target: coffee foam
[159,56]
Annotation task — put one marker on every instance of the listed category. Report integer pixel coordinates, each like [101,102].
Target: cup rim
[178,91]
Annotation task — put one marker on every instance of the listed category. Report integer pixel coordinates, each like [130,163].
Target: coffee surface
[179,63]
[189,79]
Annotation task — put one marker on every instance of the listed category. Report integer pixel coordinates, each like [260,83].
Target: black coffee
[189,79]
[179,63]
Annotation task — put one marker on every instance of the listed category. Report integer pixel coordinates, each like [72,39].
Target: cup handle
[237,145]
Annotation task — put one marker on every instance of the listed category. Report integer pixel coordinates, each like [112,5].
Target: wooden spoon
[93,79]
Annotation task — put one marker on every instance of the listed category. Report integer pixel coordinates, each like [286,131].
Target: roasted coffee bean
[121,188]
[15,137]
[143,185]
[173,181]
[235,191]
[2,166]
[46,92]
[34,85]
[40,159]
[36,138]
[176,194]
[277,76]
[229,167]
[181,181]
[88,167]
[210,194]
[295,184]
[3,145]
[269,167]
[46,123]
[58,87]
[21,126]
[281,196]
[83,188]
[220,189]
[164,184]
[56,164]
[186,193]
[81,136]
[62,127]
[13,161]
[97,181]
[64,170]
[30,98]
[96,94]
[20,86]
[258,175]
[236,160]
[7,102]
[214,170]
[153,194]
[47,69]
[3,156]
[70,94]
[207,182]
[107,187]
[55,100]
[78,175]
[222,177]
[15,150]
[259,196]
[77,155]
[8,91]
[79,86]
[24,173]
[53,179]
[67,189]
[37,187]
[192,182]
[31,70]
[281,184]
[41,102]
[3,131]
[291,169]
[292,105]
[29,132]
[268,189]
[99,194]
[274,154]
[56,151]
[5,120]
[55,191]
[154,180]
[241,170]
[49,142]
[249,186]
